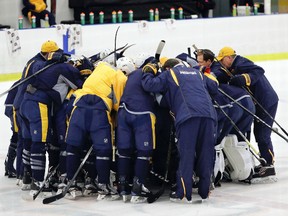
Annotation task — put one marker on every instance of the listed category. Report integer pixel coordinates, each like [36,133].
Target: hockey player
[24,143]
[85,67]
[10,171]
[48,89]
[91,116]
[195,123]
[135,133]
[242,72]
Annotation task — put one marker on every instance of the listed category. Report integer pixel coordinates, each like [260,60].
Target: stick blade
[159,49]
[155,196]
[54,198]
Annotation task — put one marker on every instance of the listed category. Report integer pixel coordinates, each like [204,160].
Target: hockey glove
[238,80]
[151,68]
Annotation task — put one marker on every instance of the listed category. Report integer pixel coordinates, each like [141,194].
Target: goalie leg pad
[239,157]
[219,165]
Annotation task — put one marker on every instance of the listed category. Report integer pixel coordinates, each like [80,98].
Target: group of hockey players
[136,120]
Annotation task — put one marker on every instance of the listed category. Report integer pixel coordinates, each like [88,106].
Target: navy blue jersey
[31,67]
[10,99]
[185,92]
[134,97]
[55,82]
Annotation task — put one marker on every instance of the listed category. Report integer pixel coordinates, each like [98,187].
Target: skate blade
[138,199]
[126,198]
[108,197]
[89,193]
[46,194]
[19,183]
[178,200]
[73,195]
[264,180]
[26,187]
[27,197]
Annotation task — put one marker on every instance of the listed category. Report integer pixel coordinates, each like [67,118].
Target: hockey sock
[38,160]
[124,162]
[72,160]
[103,161]
[26,154]
[142,165]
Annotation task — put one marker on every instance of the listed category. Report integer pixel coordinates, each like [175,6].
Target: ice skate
[107,192]
[73,192]
[264,174]
[124,189]
[139,192]
[174,198]
[90,188]
[26,181]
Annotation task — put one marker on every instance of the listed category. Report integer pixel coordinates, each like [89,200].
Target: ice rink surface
[230,199]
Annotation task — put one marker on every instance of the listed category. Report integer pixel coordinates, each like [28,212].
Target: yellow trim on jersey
[15,126]
[44,120]
[27,68]
[247,79]
[210,76]
[70,93]
[68,120]
[111,127]
[153,123]
[174,77]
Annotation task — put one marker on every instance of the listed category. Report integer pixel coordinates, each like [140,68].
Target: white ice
[229,199]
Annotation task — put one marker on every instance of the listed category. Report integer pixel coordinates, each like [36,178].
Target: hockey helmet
[126,65]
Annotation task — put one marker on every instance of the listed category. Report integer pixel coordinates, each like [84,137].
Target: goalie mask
[126,65]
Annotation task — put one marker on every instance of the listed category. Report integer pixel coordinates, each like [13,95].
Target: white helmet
[126,65]
[140,59]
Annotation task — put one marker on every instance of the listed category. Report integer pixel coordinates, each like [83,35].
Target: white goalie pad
[219,165]
[241,162]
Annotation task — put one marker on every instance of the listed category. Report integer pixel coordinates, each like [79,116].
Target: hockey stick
[189,51]
[112,52]
[251,113]
[23,80]
[159,176]
[159,50]
[267,113]
[152,197]
[115,45]
[262,161]
[127,47]
[61,195]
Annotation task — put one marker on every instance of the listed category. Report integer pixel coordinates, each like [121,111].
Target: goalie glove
[151,68]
